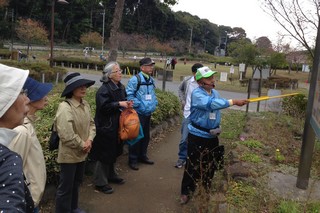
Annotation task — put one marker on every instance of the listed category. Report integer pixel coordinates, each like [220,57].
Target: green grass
[288,207]
[253,144]
[251,157]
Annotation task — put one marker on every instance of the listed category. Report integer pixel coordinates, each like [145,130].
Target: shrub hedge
[37,69]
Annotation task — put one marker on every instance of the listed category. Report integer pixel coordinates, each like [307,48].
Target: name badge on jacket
[148,97]
[212,116]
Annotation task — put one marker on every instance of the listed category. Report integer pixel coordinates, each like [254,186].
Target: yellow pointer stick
[264,98]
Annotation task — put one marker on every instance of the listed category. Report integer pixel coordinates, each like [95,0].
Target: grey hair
[108,70]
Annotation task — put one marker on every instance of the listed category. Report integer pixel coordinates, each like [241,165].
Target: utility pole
[190,39]
[12,29]
[103,23]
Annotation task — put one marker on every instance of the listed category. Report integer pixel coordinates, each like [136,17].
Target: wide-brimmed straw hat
[36,90]
[11,82]
[73,81]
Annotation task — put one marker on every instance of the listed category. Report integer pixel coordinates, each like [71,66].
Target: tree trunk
[115,25]
[28,47]
[290,67]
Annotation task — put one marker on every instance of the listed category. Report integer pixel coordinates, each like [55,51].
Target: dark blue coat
[15,195]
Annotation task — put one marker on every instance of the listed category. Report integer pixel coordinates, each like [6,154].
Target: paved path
[151,189]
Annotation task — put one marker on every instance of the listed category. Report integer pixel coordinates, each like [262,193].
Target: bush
[4,53]
[169,106]
[99,65]
[37,69]
[295,106]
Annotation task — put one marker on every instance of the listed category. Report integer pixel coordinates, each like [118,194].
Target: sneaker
[180,163]
[184,199]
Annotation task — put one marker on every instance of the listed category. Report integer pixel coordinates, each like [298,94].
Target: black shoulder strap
[139,82]
[151,82]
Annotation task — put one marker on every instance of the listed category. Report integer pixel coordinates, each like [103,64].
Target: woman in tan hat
[15,195]
[76,130]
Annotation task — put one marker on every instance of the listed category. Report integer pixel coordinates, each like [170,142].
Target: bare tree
[115,25]
[126,42]
[299,18]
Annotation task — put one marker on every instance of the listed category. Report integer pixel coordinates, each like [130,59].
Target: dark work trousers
[138,151]
[199,167]
[71,176]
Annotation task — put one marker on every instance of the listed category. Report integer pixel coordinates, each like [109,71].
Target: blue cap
[36,90]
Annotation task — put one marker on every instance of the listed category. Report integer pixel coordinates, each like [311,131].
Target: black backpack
[150,82]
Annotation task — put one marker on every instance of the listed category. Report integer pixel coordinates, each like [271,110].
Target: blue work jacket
[205,111]
[145,100]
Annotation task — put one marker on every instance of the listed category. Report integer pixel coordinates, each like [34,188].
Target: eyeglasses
[117,71]
[24,92]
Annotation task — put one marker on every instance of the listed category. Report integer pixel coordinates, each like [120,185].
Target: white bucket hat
[11,82]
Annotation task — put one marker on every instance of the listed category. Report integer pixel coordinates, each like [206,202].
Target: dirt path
[151,189]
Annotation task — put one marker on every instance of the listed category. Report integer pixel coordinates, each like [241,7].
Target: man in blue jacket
[141,90]
[204,128]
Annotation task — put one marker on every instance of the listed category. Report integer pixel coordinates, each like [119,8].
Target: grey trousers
[102,173]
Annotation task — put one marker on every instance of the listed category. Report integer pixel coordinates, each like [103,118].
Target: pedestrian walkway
[151,189]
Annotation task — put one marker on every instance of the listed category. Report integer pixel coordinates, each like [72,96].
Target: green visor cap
[204,72]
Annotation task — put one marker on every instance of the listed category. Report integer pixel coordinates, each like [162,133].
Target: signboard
[305,68]
[265,73]
[254,85]
[242,67]
[315,117]
[223,76]
[169,75]
[274,105]
[232,69]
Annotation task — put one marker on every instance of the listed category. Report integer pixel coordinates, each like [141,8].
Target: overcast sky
[246,14]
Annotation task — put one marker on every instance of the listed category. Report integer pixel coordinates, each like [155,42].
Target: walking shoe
[184,199]
[134,166]
[146,161]
[180,163]
[116,180]
[105,189]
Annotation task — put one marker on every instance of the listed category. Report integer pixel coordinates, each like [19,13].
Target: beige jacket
[27,145]
[74,125]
